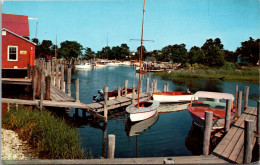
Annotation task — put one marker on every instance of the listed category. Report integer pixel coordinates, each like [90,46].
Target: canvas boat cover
[214,95]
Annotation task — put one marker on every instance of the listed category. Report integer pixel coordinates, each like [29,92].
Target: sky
[98,23]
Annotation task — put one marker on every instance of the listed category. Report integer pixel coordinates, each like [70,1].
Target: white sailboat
[146,109]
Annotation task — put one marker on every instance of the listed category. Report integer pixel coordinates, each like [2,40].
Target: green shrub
[50,136]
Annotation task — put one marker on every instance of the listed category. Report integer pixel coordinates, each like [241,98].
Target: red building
[17,49]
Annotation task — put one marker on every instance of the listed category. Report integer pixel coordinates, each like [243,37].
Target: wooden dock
[20,81]
[231,147]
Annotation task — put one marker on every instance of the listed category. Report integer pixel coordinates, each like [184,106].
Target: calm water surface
[169,134]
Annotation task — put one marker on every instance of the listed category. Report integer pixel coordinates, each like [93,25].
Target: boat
[172,97]
[98,64]
[83,66]
[138,70]
[113,94]
[144,110]
[112,64]
[211,102]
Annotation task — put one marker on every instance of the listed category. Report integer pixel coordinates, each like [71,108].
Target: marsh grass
[246,74]
[50,136]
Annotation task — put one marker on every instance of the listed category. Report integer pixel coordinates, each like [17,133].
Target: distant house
[17,49]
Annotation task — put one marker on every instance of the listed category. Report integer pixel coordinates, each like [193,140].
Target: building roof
[16,23]
[18,36]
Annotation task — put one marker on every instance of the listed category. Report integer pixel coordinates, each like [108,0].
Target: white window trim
[16,53]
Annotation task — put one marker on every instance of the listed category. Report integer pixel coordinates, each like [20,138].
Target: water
[168,135]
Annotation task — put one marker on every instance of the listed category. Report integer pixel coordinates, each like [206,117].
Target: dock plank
[231,146]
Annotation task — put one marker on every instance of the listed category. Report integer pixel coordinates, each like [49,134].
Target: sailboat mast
[140,58]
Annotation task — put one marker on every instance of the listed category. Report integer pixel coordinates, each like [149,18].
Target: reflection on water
[167,137]
[135,129]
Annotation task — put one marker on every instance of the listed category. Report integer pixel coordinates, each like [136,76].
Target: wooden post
[141,86]
[28,70]
[105,102]
[48,68]
[48,87]
[236,99]
[126,82]
[167,87]
[155,85]
[147,84]
[207,131]
[111,146]
[38,94]
[34,81]
[52,71]
[62,86]
[57,76]
[246,97]
[133,94]
[118,92]
[258,125]
[42,91]
[228,113]
[152,89]
[239,101]
[248,141]
[68,81]
[77,90]
[164,87]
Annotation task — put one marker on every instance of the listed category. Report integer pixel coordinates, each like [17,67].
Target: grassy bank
[51,137]
[249,74]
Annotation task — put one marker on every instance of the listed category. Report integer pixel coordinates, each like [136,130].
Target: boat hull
[142,113]
[172,98]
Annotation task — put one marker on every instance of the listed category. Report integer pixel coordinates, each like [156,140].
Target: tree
[89,54]
[230,56]
[179,53]
[249,51]
[144,54]
[70,49]
[214,55]
[196,55]
[124,51]
[44,50]
[105,52]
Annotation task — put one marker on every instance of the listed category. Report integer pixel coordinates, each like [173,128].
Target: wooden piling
[52,71]
[77,90]
[48,87]
[167,87]
[48,68]
[42,91]
[152,89]
[164,88]
[155,85]
[207,132]
[248,147]
[62,86]
[246,93]
[34,81]
[258,125]
[133,94]
[126,82]
[141,86]
[228,114]
[118,92]
[147,84]
[111,146]
[68,81]
[236,98]
[57,76]
[28,70]
[239,101]
[105,102]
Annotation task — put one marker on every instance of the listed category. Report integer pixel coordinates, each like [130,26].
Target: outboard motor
[100,96]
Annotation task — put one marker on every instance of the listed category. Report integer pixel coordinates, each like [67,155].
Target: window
[12,53]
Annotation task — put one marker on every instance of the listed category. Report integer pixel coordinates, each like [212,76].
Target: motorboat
[83,66]
[173,97]
[211,101]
